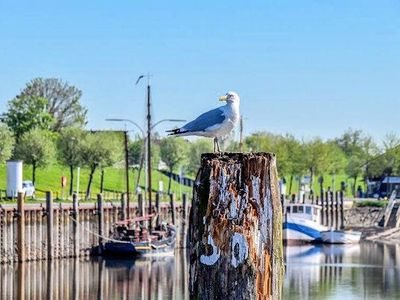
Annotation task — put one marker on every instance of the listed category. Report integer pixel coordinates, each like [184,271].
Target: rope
[98,235]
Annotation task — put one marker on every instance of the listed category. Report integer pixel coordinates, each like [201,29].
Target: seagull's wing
[202,122]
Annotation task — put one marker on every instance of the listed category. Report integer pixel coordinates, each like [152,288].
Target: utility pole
[241,134]
[127,172]
[149,142]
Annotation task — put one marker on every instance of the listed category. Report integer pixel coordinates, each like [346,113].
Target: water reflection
[362,271]
[365,271]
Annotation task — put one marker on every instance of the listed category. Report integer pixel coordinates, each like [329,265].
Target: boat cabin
[310,212]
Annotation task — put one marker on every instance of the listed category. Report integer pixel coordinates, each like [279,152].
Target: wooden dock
[30,232]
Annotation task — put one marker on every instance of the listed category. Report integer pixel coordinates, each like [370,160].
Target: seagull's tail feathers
[177,131]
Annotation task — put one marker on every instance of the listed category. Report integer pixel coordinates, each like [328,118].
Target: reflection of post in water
[49,280]
[21,281]
[100,291]
[75,283]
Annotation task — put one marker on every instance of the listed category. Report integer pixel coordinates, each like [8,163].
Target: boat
[340,236]
[132,238]
[302,224]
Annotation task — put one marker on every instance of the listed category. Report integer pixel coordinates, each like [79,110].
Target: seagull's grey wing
[204,121]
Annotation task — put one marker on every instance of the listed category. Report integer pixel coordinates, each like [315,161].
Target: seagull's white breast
[231,112]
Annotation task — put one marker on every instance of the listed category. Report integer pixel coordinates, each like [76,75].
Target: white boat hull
[340,237]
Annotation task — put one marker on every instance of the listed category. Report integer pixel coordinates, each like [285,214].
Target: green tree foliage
[100,150]
[359,149]
[195,150]
[70,145]
[172,152]
[26,113]
[63,101]
[6,142]
[36,148]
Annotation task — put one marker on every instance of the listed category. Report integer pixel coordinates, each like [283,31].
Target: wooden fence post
[100,215]
[235,234]
[21,228]
[172,206]
[75,223]
[49,214]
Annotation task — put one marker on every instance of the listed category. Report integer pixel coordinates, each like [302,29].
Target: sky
[309,68]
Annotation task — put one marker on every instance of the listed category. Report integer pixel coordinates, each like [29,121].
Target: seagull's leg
[215,139]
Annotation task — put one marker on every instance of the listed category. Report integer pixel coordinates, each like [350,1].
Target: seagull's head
[230,97]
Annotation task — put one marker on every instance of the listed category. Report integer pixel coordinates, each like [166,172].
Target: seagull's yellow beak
[223,98]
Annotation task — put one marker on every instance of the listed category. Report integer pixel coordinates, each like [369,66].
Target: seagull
[214,123]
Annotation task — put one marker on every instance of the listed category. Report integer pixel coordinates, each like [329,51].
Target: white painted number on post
[213,257]
[238,240]
[243,249]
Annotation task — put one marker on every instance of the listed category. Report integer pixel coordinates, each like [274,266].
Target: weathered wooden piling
[21,228]
[157,207]
[140,204]
[49,215]
[337,226]
[184,223]
[124,209]
[341,195]
[235,230]
[100,219]
[75,224]
[172,206]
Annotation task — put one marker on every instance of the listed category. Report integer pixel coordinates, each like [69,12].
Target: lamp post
[148,152]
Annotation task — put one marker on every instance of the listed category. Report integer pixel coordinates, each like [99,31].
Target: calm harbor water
[365,271]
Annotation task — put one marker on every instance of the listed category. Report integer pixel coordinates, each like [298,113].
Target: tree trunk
[354,186]
[71,180]
[169,181]
[34,173]
[290,185]
[102,182]
[92,170]
[235,232]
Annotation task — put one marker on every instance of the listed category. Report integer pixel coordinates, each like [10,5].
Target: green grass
[327,182]
[369,203]
[49,179]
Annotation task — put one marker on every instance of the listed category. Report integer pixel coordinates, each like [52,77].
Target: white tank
[14,177]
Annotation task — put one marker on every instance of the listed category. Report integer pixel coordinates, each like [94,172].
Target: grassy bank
[114,180]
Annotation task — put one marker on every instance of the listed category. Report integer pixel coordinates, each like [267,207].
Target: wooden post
[21,228]
[337,226]
[100,218]
[75,223]
[184,222]
[327,221]
[49,214]
[124,209]
[332,209]
[235,236]
[341,210]
[172,207]
[140,204]
[158,219]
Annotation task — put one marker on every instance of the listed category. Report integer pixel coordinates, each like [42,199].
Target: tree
[70,146]
[172,151]
[197,148]
[100,149]
[63,101]
[26,113]
[36,148]
[6,142]
[358,148]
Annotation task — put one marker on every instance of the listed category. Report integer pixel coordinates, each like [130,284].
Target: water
[365,271]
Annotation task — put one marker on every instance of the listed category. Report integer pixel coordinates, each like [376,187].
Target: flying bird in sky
[214,123]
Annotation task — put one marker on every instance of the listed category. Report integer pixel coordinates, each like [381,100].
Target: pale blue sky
[304,67]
